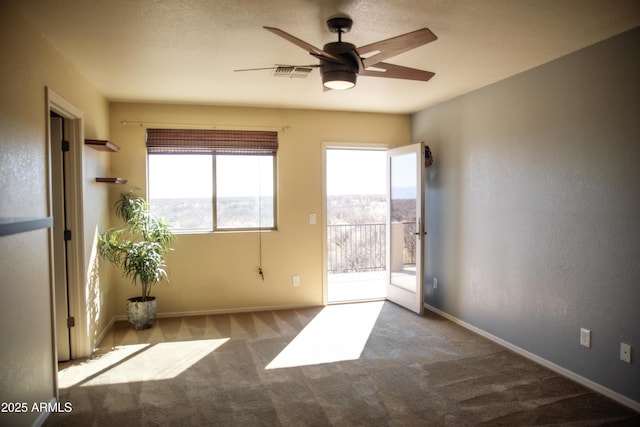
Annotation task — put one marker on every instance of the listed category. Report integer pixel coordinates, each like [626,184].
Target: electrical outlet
[585,337]
[295,280]
[625,352]
[435,283]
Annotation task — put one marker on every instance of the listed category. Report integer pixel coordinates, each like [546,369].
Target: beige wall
[28,64]
[218,271]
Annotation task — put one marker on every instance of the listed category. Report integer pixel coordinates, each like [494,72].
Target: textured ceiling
[185,51]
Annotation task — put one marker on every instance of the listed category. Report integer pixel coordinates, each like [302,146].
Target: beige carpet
[369,364]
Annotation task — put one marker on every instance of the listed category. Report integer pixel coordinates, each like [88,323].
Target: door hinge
[65,145]
[67,235]
[71,322]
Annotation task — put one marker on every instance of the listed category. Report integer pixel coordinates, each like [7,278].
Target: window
[203,180]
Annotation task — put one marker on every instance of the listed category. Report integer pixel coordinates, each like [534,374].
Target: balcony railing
[362,247]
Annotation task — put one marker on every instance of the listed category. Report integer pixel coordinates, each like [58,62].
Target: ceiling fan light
[339,80]
[339,84]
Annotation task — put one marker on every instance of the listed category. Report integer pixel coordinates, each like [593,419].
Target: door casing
[79,335]
[327,146]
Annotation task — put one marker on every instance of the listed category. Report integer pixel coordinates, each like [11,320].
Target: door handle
[420,231]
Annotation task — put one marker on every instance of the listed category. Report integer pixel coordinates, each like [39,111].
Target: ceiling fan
[341,62]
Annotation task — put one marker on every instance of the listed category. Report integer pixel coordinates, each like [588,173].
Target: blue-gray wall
[533,209]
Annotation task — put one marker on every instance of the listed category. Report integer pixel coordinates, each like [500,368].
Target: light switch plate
[625,352]
[585,337]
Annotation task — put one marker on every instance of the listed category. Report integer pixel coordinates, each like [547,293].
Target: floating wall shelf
[104,145]
[112,180]
[101,145]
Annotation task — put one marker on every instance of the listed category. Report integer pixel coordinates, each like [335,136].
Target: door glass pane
[404,193]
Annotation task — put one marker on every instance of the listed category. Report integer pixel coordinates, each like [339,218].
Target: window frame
[231,143]
[217,229]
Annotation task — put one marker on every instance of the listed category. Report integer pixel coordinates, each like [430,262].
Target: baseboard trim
[630,403]
[106,329]
[224,311]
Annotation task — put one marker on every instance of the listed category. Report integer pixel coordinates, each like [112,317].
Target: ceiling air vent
[291,71]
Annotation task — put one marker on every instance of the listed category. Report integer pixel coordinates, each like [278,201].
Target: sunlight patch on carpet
[337,333]
[138,362]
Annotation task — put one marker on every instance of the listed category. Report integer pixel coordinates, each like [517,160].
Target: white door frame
[327,146]
[79,334]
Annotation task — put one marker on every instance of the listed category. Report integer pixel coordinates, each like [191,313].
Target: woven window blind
[212,141]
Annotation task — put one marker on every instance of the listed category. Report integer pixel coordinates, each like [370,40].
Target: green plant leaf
[140,246]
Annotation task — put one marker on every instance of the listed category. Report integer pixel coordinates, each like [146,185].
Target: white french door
[406,231]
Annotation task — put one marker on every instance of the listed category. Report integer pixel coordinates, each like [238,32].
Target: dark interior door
[59,154]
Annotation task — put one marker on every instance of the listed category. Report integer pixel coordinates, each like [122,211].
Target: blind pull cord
[260,272]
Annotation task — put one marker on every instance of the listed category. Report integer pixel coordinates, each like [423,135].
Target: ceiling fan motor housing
[336,71]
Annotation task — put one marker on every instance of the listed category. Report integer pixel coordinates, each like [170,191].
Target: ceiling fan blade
[383,69]
[314,51]
[388,48]
[256,69]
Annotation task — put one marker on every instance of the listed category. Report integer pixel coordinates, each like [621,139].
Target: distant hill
[356,209]
[243,212]
[197,213]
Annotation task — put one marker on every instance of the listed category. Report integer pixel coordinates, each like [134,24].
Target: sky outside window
[356,172]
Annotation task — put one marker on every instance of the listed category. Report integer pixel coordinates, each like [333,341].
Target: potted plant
[138,248]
